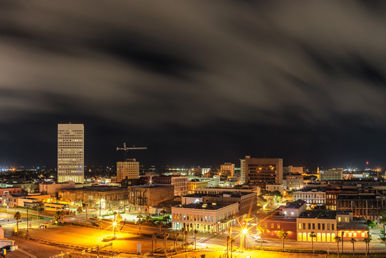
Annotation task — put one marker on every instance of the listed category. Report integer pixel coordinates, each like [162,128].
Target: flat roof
[204,206]
[295,205]
[318,214]
[151,186]
[232,194]
[96,188]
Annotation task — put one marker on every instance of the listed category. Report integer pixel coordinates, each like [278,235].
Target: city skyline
[196,91]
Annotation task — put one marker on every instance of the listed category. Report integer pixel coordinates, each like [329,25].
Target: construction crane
[126,149]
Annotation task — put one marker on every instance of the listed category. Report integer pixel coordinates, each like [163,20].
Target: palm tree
[262,229]
[139,222]
[312,235]
[367,241]
[282,235]
[195,238]
[166,235]
[185,232]
[175,241]
[17,217]
[353,240]
[153,242]
[337,239]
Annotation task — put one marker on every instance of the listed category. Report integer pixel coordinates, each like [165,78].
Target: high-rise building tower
[127,169]
[71,153]
[261,171]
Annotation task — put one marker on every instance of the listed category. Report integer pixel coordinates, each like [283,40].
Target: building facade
[128,169]
[261,171]
[331,174]
[100,197]
[204,217]
[366,205]
[294,182]
[227,169]
[143,197]
[71,153]
[312,197]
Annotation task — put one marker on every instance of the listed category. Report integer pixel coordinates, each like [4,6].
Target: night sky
[198,82]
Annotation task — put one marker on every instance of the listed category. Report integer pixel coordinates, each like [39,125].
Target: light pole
[244,232]
[27,220]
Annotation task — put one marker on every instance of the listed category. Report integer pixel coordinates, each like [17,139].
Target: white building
[127,169]
[322,223]
[311,196]
[71,153]
[204,217]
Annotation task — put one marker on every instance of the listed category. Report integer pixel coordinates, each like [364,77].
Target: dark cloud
[189,64]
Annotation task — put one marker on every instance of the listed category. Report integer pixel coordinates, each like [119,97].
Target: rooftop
[96,188]
[204,206]
[151,186]
[295,205]
[318,214]
[222,194]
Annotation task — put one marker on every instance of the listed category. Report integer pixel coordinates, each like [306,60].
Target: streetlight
[114,226]
[244,232]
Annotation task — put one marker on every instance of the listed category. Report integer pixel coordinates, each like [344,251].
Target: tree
[185,232]
[175,241]
[312,235]
[79,210]
[166,235]
[153,242]
[282,234]
[367,241]
[371,223]
[162,212]
[337,240]
[353,240]
[17,217]
[195,238]
[58,217]
[261,229]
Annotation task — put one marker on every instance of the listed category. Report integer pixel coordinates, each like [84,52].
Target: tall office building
[261,171]
[71,153]
[127,169]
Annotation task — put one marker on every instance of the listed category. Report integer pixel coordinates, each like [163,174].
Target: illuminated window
[300,225]
[299,236]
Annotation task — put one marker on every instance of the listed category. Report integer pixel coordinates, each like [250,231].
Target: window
[300,225]
[333,226]
[318,226]
[304,225]
[323,228]
[309,225]
[328,227]
[313,225]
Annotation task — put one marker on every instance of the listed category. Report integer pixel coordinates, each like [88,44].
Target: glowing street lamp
[114,226]
[244,232]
